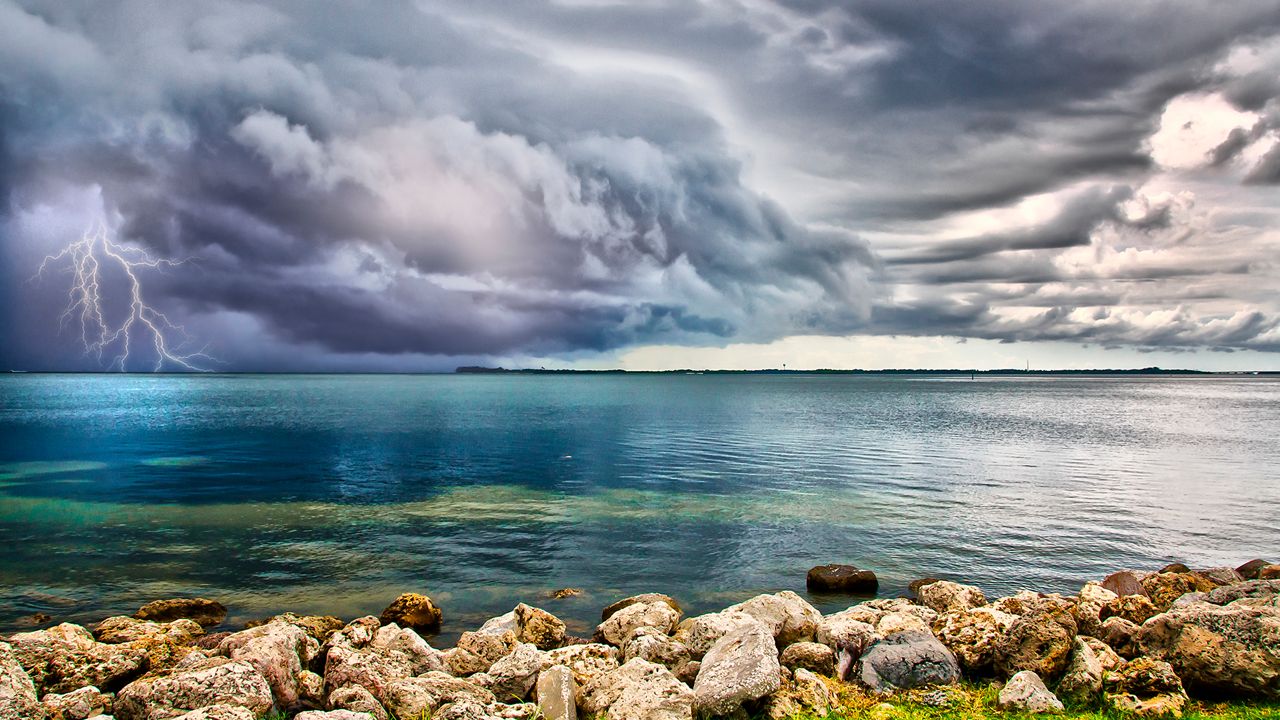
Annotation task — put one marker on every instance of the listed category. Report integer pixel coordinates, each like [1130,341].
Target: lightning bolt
[86,260]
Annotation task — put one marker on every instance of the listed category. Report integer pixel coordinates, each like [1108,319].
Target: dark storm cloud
[477,179]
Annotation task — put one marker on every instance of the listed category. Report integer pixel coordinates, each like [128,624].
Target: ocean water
[333,494]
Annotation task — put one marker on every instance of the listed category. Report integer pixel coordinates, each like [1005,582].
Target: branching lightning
[86,260]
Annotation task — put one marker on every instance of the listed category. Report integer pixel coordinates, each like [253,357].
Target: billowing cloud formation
[397,185]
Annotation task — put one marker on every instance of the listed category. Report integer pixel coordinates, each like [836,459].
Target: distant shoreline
[477,370]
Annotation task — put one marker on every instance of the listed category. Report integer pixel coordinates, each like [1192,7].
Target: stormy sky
[736,183]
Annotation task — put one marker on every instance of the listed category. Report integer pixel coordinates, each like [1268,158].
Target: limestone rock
[972,635]
[412,610]
[1082,682]
[621,624]
[477,651]
[1122,636]
[203,611]
[701,632]
[1109,658]
[513,676]
[646,599]
[367,654]
[1233,648]
[638,690]
[1137,609]
[1261,589]
[224,682]
[1025,691]
[1147,688]
[120,629]
[846,631]
[539,627]
[320,627]
[1040,641]
[655,646]
[586,662]
[557,692]
[310,689]
[805,692]
[66,657]
[741,667]
[787,615]
[815,657]
[841,578]
[279,652]
[218,712]
[945,596]
[416,696]
[906,660]
[1164,588]
[357,699]
[896,622]
[18,699]
[76,705]
[1090,604]
[333,715]
[471,710]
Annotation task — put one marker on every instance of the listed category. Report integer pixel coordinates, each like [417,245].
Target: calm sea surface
[335,493]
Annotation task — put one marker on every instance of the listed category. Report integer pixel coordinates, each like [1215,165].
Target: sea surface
[333,494]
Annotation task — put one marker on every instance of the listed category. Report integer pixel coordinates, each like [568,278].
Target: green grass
[978,702]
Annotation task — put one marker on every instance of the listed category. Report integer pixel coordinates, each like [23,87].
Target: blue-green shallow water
[335,493]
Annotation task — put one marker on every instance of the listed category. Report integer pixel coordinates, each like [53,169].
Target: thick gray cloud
[395,185]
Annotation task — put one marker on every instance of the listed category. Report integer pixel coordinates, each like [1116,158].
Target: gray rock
[18,699]
[557,691]
[906,660]
[224,682]
[638,690]
[1025,691]
[646,598]
[741,667]
[333,715]
[655,646]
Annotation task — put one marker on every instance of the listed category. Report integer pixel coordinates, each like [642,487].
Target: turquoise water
[335,493]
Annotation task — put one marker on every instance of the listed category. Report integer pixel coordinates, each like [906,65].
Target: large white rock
[18,700]
[618,628]
[513,676]
[701,632]
[1025,691]
[787,615]
[638,690]
[224,682]
[416,696]
[742,666]
[371,655]
[66,657]
[279,651]
[557,693]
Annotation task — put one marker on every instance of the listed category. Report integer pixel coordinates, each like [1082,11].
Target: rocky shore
[1145,643]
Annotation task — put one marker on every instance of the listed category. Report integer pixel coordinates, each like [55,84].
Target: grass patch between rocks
[978,702]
